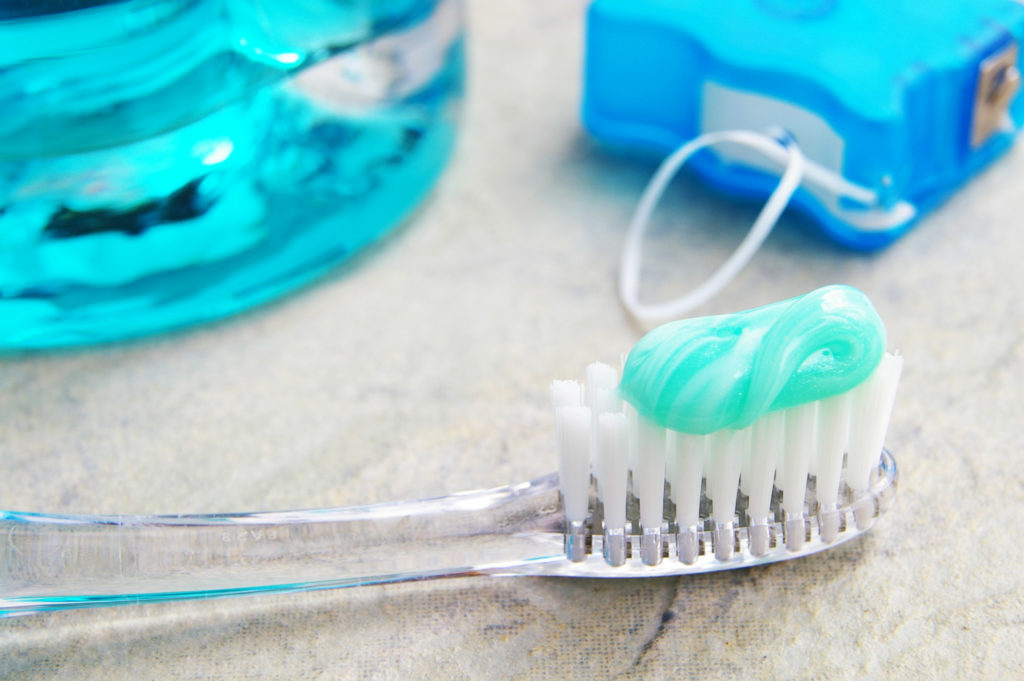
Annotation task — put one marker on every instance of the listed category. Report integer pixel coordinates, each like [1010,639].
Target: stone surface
[423,367]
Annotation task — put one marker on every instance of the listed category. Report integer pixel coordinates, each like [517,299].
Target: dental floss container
[894,103]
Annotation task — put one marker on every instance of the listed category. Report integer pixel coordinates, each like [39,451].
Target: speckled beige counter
[423,369]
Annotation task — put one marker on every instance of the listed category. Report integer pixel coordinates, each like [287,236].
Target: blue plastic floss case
[905,99]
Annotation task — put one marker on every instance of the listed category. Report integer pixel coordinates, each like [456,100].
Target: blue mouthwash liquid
[165,162]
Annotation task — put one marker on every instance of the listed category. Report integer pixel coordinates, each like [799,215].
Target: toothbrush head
[731,440]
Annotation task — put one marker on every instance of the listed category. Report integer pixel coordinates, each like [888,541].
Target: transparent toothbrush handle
[54,562]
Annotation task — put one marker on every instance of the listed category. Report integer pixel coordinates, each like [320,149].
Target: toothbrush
[765,428]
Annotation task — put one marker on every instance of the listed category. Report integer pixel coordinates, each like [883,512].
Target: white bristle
[649,473]
[872,405]
[745,473]
[812,463]
[602,398]
[612,445]
[567,401]
[602,384]
[670,456]
[572,430]
[801,440]
[690,455]
[632,446]
[833,434]
[566,394]
[767,441]
[726,449]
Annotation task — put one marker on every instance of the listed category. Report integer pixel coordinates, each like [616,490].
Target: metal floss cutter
[894,103]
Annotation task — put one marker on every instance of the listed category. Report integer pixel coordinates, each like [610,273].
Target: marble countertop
[423,367]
